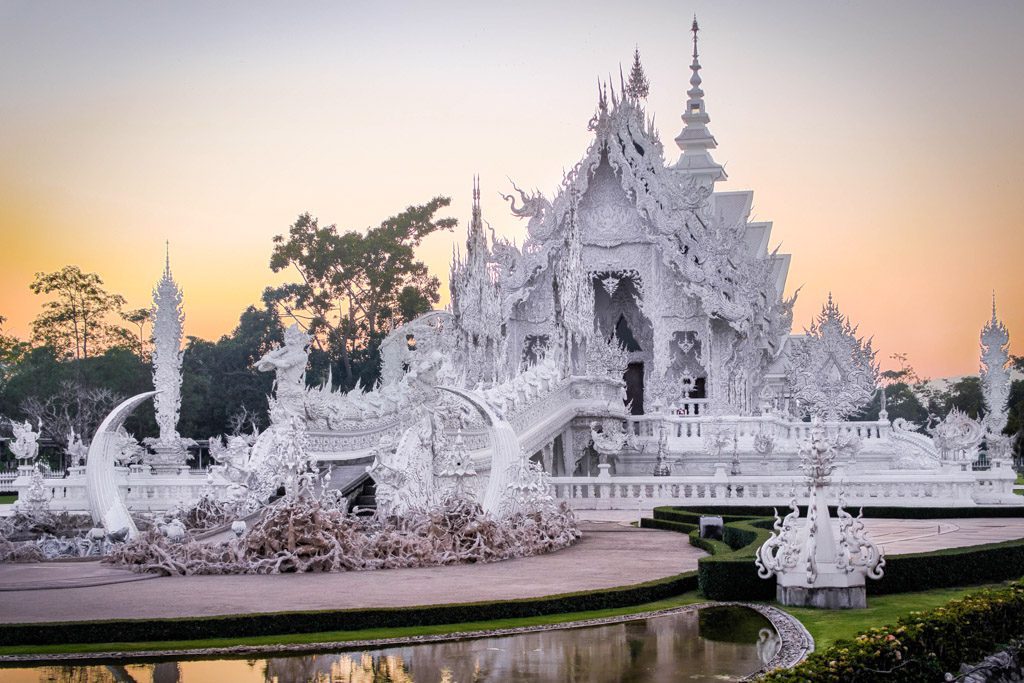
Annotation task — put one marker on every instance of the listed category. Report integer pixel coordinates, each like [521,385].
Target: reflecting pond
[712,644]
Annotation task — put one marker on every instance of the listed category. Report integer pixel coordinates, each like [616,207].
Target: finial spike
[695,28]
[167,258]
[993,304]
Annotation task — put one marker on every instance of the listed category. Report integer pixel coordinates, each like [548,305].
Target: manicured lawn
[369,634]
[1020,482]
[828,626]
[7,498]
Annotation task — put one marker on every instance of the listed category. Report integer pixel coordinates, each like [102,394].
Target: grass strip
[830,625]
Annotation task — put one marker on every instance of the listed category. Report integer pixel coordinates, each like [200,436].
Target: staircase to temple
[361,494]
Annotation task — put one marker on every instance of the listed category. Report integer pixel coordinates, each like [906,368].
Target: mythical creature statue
[76,450]
[957,436]
[26,441]
[535,207]
[609,438]
[234,456]
[288,362]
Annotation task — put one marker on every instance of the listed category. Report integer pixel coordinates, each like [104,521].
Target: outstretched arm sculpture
[105,503]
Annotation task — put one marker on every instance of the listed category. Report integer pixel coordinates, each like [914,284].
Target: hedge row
[974,564]
[246,625]
[733,575]
[879,512]
[922,646]
[729,572]
[667,525]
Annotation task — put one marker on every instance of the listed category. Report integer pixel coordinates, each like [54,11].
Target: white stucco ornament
[816,563]
[832,372]
[995,373]
[25,445]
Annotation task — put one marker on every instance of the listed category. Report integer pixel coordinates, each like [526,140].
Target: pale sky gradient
[883,139]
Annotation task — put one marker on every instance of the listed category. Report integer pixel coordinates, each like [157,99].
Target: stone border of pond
[797,642]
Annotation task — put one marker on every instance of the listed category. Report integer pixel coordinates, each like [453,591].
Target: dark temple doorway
[634,378]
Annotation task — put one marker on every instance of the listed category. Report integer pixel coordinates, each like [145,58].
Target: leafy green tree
[12,351]
[219,380]
[140,317]
[964,394]
[76,320]
[356,287]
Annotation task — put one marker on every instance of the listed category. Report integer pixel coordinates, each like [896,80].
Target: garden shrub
[922,646]
[730,574]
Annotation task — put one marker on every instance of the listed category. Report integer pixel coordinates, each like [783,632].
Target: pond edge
[797,642]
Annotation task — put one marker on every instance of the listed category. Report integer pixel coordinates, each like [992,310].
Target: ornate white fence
[142,490]
[952,486]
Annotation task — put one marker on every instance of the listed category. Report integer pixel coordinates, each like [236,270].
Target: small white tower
[696,140]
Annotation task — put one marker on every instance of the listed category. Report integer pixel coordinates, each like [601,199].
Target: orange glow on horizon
[890,188]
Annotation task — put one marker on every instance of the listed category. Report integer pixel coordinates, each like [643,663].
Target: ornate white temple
[637,347]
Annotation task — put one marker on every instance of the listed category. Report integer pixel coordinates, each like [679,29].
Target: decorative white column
[995,379]
[814,566]
[169,449]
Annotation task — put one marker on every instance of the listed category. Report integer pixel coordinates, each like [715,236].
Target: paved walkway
[901,536]
[609,554]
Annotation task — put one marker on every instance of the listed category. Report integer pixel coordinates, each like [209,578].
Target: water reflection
[719,643]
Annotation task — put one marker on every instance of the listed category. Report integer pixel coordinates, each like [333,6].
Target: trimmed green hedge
[920,647]
[880,512]
[973,564]
[667,525]
[730,574]
[245,625]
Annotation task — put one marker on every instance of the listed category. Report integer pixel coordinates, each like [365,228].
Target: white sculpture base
[167,460]
[824,597]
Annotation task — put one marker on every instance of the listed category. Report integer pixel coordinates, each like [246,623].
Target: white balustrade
[946,487]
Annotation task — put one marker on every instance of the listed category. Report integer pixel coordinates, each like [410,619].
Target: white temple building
[638,347]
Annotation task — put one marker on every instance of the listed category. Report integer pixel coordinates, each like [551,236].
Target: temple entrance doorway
[634,378]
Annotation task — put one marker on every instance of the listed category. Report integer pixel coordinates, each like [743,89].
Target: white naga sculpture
[815,566]
[832,372]
[957,436]
[169,448]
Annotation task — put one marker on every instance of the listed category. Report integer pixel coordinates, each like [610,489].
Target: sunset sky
[883,139]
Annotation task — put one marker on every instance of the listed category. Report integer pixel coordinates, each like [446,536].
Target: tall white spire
[696,140]
[995,373]
[168,326]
